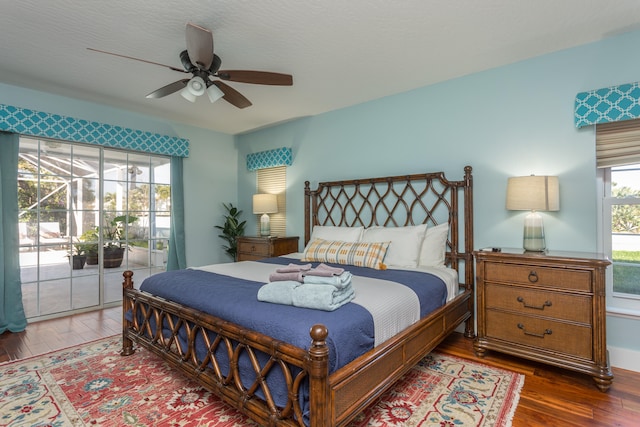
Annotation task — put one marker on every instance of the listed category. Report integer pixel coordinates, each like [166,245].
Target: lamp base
[265,226]
[533,236]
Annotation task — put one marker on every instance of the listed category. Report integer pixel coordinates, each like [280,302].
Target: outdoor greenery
[626,275]
[626,219]
[52,201]
[43,197]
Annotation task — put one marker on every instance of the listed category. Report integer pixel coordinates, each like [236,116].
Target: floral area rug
[92,385]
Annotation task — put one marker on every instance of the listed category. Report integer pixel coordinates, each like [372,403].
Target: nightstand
[547,307]
[254,248]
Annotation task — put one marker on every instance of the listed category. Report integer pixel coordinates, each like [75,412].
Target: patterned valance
[270,159]
[611,104]
[47,125]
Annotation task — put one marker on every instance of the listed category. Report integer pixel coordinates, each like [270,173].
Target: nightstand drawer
[539,276]
[546,334]
[255,248]
[252,247]
[561,306]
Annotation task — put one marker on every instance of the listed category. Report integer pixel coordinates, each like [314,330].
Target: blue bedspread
[351,329]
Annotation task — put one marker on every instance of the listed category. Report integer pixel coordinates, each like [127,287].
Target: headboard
[428,198]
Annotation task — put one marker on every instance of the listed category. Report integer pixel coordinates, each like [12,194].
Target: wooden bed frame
[336,398]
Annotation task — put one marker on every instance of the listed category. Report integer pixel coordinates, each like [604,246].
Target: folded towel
[340,281]
[324,270]
[294,268]
[278,292]
[278,276]
[322,297]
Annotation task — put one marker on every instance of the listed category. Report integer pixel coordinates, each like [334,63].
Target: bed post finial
[128,281]
[318,374]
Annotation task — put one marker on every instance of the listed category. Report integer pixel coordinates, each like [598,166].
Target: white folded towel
[340,281]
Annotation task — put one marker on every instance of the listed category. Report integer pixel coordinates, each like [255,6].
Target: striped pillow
[360,254]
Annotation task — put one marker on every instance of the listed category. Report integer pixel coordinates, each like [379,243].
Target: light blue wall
[209,173]
[513,120]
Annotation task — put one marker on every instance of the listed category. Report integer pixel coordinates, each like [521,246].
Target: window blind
[274,181]
[618,143]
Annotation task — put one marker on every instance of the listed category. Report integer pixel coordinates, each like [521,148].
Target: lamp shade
[186,94]
[214,93]
[196,86]
[265,203]
[533,193]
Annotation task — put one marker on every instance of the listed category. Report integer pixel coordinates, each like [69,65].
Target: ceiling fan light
[214,93]
[186,94]
[196,86]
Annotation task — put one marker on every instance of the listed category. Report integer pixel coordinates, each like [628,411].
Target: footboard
[143,313]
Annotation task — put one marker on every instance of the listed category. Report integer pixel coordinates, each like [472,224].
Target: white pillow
[332,232]
[404,249]
[344,234]
[434,246]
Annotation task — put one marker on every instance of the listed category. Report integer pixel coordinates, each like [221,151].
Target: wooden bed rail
[142,314]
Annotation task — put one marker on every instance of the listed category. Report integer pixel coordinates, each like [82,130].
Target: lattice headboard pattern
[428,198]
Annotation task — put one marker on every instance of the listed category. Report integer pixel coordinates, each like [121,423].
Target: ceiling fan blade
[232,96]
[199,46]
[256,77]
[137,59]
[169,89]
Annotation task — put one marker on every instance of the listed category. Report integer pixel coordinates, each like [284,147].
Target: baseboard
[624,358]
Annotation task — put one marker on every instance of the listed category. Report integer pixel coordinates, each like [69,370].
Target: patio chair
[25,240]
[50,234]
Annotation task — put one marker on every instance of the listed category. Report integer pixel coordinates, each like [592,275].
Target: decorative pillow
[359,254]
[332,232]
[404,250]
[434,246]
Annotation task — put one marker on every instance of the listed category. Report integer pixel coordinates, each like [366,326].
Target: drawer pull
[253,248]
[533,277]
[533,334]
[546,304]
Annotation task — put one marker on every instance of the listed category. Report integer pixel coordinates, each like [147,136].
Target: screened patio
[88,201]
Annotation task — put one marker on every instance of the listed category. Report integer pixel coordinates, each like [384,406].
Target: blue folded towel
[340,281]
[322,297]
[280,292]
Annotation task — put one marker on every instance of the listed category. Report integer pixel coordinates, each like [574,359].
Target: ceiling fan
[203,64]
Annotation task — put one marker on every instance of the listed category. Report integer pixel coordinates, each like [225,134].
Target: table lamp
[533,193]
[265,204]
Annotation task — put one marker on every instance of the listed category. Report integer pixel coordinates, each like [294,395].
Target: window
[86,213]
[274,181]
[618,158]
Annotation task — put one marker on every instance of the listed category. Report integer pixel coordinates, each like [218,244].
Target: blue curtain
[12,315]
[176,257]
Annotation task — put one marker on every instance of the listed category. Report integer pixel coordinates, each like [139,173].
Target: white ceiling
[340,52]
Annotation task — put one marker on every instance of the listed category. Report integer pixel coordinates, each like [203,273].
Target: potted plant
[113,233]
[231,229]
[77,257]
[89,243]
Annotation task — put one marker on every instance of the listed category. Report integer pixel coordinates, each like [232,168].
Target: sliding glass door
[87,213]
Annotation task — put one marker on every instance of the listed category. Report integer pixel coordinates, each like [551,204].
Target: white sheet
[448,275]
[393,306]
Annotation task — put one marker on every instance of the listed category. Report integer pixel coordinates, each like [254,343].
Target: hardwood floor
[48,335]
[550,396]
